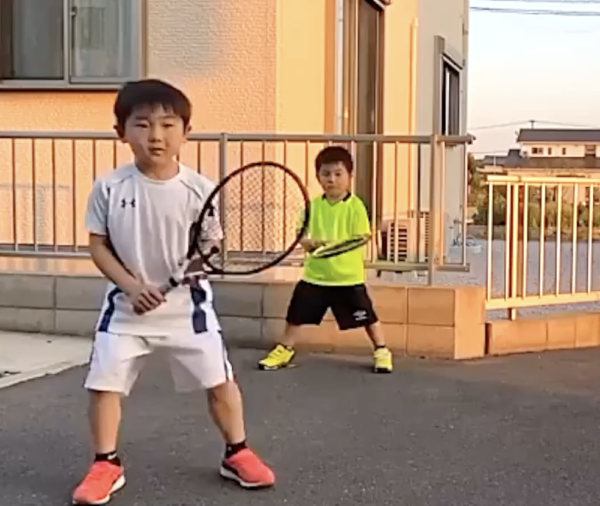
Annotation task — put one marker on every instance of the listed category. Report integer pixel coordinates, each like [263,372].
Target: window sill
[56,86]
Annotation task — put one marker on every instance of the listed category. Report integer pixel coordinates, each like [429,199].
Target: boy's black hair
[335,154]
[153,93]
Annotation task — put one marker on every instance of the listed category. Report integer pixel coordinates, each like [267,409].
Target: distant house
[551,142]
[551,152]
[492,160]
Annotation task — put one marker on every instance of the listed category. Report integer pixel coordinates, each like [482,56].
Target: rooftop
[559,135]
[514,160]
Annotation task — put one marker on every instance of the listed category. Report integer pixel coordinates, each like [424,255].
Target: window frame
[348,67]
[446,56]
[70,82]
[450,124]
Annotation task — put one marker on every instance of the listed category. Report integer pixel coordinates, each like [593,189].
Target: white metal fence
[412,184]
[546,230]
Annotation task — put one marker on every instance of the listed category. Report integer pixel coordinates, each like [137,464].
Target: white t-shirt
[148,223]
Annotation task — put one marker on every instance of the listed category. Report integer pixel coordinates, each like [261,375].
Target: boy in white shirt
[139,219]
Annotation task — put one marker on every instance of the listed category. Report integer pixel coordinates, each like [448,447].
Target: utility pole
[532,121]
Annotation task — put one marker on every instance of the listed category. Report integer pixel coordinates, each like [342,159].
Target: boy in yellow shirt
[337,282]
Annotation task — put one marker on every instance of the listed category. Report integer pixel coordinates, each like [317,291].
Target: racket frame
[195,253]
[359,243]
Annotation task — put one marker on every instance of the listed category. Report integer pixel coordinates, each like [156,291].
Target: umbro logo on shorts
[360,315]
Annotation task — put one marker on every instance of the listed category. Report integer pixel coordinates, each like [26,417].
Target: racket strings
[206,236]
[264,208]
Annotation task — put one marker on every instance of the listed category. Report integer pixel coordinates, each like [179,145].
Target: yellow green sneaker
[383,361]
[278,357]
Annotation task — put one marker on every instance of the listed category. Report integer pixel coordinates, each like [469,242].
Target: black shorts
[351,305]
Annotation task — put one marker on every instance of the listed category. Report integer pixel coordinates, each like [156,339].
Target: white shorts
[198,361]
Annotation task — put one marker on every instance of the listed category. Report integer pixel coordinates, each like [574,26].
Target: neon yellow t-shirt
[337,222]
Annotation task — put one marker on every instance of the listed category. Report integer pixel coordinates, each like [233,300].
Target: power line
[532,121]
[499,125]
[536,12]
[561,2]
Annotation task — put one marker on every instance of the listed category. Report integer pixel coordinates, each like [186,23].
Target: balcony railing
[46,177]
[546,231]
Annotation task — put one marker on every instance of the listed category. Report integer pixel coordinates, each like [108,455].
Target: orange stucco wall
[222,53]
[248,66]
[399,98]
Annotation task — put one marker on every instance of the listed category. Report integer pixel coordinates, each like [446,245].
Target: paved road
[513,431]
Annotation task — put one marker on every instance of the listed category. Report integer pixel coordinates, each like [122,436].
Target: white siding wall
[546,149]
[448,19]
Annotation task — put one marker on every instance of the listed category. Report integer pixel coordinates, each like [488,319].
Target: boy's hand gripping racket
[261,203]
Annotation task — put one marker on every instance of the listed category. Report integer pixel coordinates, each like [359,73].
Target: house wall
[400,107]
[555,149]
[448,19]
[223,54]
[257,65]
[214,50]
[248,66]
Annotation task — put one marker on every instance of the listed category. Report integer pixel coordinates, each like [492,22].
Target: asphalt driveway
[520,430]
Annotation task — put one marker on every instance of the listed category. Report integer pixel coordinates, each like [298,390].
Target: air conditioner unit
[399,237]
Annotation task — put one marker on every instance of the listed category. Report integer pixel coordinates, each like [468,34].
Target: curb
[40,372]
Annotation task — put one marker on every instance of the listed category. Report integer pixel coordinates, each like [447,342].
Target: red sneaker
[248,470]
[102,480]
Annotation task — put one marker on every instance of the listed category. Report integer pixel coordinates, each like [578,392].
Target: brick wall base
[437,322]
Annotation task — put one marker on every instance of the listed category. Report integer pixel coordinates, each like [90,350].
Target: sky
[532,67]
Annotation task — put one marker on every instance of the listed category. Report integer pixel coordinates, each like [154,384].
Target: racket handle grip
[169,285]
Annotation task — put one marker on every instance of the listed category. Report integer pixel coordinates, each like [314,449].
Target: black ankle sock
[231,450]
[111,457]
[381,347]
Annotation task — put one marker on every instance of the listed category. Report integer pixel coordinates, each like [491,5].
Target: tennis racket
[333,249]
[261,203]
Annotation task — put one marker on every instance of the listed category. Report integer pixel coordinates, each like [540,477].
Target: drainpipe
[412,114]
[340,67]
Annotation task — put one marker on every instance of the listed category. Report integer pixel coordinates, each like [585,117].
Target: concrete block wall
[549,332]
[446,322]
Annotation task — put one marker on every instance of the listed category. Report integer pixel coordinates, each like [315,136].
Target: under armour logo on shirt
[125,203]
